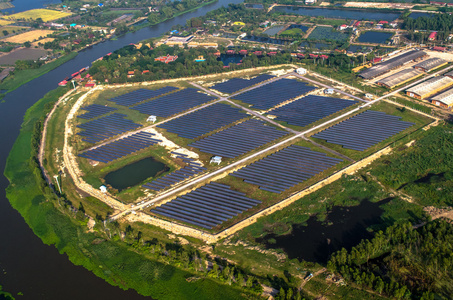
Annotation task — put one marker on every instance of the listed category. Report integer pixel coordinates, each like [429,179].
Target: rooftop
[431,85]
[446,97]
[400,77]
[392,63]
[431,63]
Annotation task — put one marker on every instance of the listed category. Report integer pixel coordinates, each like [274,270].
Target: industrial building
[393,63]
[429,87]
[445,99]
[400,77]
[431,64]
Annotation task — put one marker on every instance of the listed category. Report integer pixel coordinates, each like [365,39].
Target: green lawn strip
[112,260]
[21,77]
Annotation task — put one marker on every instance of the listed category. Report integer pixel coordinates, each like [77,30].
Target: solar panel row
[363,130]
[286,168]
[239,139]
[122,147]
[310,109]
[192,168]
[140,95]
[204,120]
[95,110]
[173,103]
[237,84]
[274,93]
[106,127]
[207,206]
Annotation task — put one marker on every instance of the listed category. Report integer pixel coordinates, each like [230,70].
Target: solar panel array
[192,168]
[286,168]
[204,120]
[239,139]
[173,103]
[140,95]
[310,109]
[207,206]
[122,147]
[106,127]
[95,110]
[364,130]
[274,93]
[237,84]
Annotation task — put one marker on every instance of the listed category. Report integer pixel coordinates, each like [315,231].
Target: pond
[274,30]
[359,49]
[375,37]
[416,15]
[135,173]
[302,27]
[315,45]
[255,6]
[318,240]
[253,38]
[230,59]
[337,13]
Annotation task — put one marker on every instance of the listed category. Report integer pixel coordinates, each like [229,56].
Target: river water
[26,264]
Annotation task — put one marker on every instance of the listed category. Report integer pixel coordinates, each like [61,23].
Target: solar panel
[173,103]
[191,169]
[363,130]
[269,95]
[95,110]
[106,127]
[237,84]
[141,95]
[204,120]
[286,168]
[207,206]
[310,109]
[122,147]
[239,139]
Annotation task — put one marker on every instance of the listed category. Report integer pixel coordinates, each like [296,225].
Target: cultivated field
[5,22]
[26,53]
[12,29]
[327,34]
[29,36]
[33,14]
[43,41]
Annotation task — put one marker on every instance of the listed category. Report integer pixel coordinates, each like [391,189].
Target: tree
[5,32]
[27,44]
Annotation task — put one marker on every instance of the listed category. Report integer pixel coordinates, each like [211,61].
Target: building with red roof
[432,36]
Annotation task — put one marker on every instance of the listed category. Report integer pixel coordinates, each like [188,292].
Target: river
[26,264]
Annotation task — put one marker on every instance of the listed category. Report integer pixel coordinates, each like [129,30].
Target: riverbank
[21,77]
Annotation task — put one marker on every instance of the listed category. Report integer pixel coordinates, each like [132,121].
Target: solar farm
[196,132]
[272,94]
[364,130]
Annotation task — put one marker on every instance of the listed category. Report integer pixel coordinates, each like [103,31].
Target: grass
[28,36]
[112,260]
[21,77]
[45,14]
[13,29]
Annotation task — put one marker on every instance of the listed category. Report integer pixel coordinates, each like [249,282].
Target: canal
[26,264]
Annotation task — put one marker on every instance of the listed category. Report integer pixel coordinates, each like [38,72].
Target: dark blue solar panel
[239,139]
[207,206]
[237,84]
[310,109]
[204,120]
[95,110]
[106,127]
[122,147]
[192,168]
[274,93]
[286,168]
[363,130]
[140,95]
[173,103]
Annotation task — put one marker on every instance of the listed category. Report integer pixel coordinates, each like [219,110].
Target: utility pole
[58,183]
